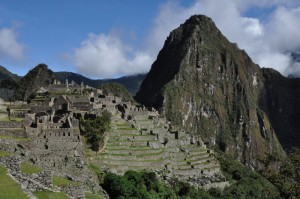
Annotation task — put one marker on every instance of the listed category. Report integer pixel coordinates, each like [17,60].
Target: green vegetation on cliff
[287,177]
[245,183]
[136,185]
[145,185]
[94,129]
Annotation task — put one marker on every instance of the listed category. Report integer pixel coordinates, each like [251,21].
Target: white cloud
[106,56]
[268,41]
[10,48]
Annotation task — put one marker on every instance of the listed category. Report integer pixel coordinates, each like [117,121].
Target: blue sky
[111,38]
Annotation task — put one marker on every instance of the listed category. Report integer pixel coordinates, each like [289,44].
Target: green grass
[136,141]
[9,189]
[127,128]
[122,124]
[21,109]
[133,149]
[130,135]
[50,195]
[89,195]
[29,168]
[63,182]
[95,168]
[127,154]
[14,138]
[4,154]
[16,119]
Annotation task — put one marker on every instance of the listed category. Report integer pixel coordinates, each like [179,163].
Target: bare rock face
[207,85]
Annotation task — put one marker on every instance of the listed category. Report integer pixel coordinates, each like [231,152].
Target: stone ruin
[139,139]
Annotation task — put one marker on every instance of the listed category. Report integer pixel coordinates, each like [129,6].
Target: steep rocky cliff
[280,100]
[207,85]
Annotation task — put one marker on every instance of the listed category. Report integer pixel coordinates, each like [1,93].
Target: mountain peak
[200,20]
[39,76]
[207,85]
[189,47]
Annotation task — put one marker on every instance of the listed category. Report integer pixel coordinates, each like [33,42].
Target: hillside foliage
[287,177]
[95,128]
[244,183]
[117,90]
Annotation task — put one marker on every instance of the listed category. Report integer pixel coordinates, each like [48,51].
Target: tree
[287,177]
[95,129]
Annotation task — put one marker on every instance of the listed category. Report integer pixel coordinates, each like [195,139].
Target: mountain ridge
[131,82]
[9,81]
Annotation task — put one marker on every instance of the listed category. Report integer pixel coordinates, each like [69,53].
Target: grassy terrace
[143,161]
[124,147]
[197,157]
[5,154]
[122,124]
[29,168]
[134,141]
[146,148]
[131,135]
[14,138]
[140,155]
[89,195]
[15,119]
[214,166]
[145,168]
[63,182]
[209,167]
[9,189]
[50,195]
[127,128]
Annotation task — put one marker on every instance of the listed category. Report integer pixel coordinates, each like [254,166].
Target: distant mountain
[5,74]
[8,83]
[38,77]
[117,89]
[131,83]
[20,88]
[296,56]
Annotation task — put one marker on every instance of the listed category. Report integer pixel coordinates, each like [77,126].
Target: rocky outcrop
[211,88]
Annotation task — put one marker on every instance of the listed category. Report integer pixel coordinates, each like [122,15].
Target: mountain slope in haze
[208,86]
[5,74]
[38,77]
[131,83]
[8,83]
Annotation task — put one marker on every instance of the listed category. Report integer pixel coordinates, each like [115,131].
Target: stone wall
[11,124]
